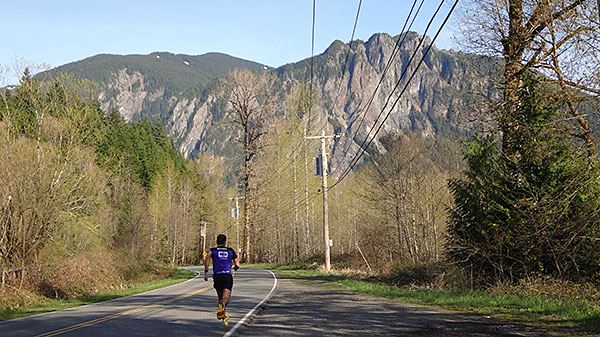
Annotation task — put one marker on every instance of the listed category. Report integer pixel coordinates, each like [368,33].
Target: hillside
[177,90]
[125,80]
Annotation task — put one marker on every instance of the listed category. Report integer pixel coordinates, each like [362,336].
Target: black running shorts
[223,281]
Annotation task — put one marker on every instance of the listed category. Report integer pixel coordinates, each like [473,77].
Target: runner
[222,276]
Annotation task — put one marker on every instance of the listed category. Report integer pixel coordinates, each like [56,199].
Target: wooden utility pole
[323,172]
[203,235]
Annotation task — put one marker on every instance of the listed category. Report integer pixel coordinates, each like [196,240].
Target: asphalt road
[185,309]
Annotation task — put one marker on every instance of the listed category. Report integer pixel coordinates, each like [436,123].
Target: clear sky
[272,32]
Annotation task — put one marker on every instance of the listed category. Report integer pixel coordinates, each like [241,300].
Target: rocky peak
[179,90]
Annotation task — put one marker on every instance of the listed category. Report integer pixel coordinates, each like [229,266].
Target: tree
[302,105]
[535,214]
[559,38]
[75,182]
[250,99]
[407,192]
[50,187]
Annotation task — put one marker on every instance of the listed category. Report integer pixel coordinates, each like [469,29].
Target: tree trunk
[306,218]
[514,49]
[247,211]
[280,250]
[398,224]
[296,225]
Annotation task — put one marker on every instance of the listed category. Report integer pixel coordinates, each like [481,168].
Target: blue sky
[272,32]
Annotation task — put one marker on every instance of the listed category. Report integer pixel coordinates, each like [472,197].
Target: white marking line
[243,320]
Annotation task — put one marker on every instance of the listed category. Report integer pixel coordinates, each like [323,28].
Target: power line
[387,66]
[396,48]
[348,54]
[355,159]
[362,149]
[280,170]
[312,62]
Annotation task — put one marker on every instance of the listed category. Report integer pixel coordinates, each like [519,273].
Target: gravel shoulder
[297,309]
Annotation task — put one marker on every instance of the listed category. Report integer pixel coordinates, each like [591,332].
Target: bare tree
[409,192]
[250,98]
[558,38]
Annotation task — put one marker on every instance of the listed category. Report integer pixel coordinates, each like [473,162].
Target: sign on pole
[318,166]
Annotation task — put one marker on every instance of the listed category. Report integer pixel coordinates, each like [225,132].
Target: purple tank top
[222,258]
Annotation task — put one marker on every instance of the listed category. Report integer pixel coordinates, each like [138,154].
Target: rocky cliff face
[430,103]
[130,94]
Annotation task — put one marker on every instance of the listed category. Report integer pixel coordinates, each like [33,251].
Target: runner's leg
[221,306]
[226,295]
[220,293]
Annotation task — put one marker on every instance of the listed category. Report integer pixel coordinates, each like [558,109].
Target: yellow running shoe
[226,320]
[221,311]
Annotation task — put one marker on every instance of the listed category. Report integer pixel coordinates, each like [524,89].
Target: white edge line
[98,303]
[243,320]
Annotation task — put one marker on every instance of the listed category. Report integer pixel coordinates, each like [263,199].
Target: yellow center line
[120,314]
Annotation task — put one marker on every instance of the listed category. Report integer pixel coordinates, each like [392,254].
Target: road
[292,309]
[185,309]
[296,309]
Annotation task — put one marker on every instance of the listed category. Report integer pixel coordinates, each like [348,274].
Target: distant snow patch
[186,63]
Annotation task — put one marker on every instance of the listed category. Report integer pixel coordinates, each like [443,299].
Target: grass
[563,315]
[179,275]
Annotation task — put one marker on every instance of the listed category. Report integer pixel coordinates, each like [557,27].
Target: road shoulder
[297,309]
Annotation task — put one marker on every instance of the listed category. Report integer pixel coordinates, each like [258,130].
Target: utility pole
[236,215]
[203,235]
[324,166]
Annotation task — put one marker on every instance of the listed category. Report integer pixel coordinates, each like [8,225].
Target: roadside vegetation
[504,221]
[88,202]
[31,303]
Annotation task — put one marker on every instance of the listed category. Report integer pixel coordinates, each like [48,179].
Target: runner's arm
[237,263]
[208,256]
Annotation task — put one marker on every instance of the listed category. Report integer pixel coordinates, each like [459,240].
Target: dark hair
[221,238]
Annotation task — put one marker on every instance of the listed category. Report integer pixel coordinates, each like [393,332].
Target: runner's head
[221,239]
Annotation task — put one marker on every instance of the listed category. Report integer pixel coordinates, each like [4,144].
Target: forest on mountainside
[176,73]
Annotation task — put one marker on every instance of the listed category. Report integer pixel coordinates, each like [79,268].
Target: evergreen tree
[24,118]
[528,207]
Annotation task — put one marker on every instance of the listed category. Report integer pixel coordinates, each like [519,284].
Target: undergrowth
[39,304]
[83,278]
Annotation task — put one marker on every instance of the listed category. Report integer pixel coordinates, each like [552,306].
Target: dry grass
[552,288]
[86,274]
[12,298]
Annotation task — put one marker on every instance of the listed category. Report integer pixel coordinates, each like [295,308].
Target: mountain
[444,89]
[139,85]
[179,90]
